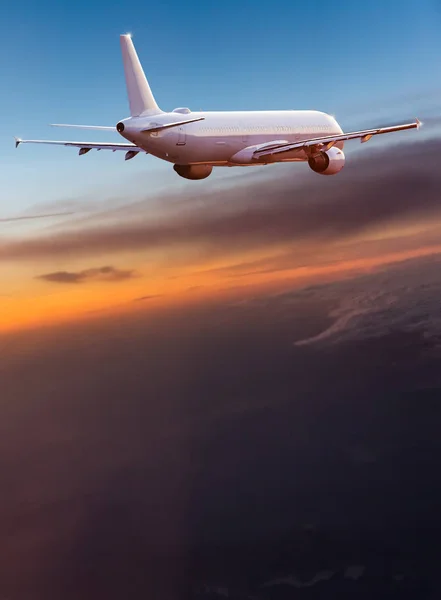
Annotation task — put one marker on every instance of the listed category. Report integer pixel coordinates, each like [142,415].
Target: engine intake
[193,171]
[328,163]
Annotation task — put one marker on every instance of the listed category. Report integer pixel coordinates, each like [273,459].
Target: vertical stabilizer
[140,95]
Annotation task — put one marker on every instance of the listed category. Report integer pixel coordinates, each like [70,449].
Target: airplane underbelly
[179,149]
[209,150]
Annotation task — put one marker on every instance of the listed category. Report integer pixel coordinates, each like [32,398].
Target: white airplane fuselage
[220,136]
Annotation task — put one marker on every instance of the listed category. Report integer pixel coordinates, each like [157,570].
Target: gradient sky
[157,384]
[366,64]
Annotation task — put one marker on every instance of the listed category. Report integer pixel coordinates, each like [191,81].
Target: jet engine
[193,171]
[328,163]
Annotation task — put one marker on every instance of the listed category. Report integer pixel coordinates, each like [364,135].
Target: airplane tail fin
[140,95]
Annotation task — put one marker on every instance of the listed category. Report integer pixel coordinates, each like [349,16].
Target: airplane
[195,142]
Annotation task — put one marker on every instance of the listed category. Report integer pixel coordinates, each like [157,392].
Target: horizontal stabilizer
[112,128]
[159,127]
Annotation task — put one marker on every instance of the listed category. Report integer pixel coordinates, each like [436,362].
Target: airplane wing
[326,142]
[131,149]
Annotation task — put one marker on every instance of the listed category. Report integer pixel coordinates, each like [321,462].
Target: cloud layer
[404,297]
[377,188]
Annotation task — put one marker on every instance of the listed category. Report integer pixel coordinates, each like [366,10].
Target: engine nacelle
[193,171]
[328,163]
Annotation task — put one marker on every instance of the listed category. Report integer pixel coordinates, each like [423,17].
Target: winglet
[140,95]
[17,141]
[418,123]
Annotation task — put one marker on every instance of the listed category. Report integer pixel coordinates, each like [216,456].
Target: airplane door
[244,133]
[181,137]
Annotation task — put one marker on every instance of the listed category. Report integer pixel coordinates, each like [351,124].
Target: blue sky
[60,62]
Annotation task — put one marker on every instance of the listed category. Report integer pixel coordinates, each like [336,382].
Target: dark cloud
[151,297]
[109,273]
[401,182]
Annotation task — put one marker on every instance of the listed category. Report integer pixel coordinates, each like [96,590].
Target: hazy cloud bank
[401,182]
